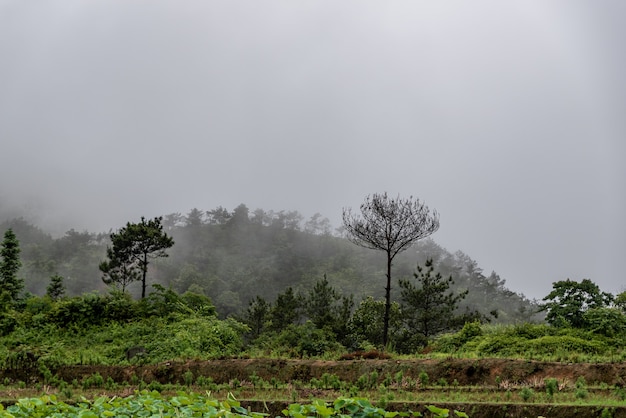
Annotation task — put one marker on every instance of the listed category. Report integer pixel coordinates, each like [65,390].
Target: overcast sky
[508,118]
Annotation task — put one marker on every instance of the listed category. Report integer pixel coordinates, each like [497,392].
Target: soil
[465,372]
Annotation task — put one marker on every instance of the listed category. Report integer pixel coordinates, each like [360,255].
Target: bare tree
[390,225]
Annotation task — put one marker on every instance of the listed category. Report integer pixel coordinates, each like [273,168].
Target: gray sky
[506,117]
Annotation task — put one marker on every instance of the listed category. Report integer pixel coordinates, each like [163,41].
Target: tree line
[232,257]
[439,295]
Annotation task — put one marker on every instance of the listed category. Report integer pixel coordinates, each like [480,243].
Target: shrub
[424,379]
[550,344]
[605,321]
[85,310]
[552,386]
[526,394]
[300,341]
[120,307]
[200,337]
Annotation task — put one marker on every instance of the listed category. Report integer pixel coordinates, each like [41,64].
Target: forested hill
[234,256]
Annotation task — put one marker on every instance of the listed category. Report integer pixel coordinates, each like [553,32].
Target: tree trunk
[143,278]
[387,302]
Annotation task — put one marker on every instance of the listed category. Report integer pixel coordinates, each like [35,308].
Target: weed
[581,393]
[373,379]
[526,394]
[508,395]
[110,384]
[67,392]
[399,377]
[257,381]
[552,386]
[387,380]
[423,378]
[620,393]
[155,385]
[606,413]
[581,389]
[188,378]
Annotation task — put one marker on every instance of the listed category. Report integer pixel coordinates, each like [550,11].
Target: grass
[391,388]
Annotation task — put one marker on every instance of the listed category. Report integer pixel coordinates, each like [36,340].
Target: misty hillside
[234,256]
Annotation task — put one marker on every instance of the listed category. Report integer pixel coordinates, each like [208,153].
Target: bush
[300,341]
[550,344]
[609,322]
[201,337]
[85,310]
[200,304]
[526,394]
[120,307]
[529,331]
[552,386]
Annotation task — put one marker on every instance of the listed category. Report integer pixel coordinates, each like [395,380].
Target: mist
[506,119]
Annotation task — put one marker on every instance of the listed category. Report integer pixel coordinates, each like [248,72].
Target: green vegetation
[10,284]
[241,285]
[532,342]
[235,257]
[132,248]
[152,403]
[392,226]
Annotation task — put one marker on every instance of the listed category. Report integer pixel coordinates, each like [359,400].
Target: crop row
[153,404]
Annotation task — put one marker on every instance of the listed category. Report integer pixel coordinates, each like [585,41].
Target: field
[478,387]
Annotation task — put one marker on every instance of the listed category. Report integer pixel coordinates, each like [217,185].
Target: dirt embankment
[459,371]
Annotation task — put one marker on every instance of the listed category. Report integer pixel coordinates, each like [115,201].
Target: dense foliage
[132,248]
[10,284]
[266,285]
[233,257]
[153,404]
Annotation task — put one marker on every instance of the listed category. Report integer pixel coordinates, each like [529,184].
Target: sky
[507,118]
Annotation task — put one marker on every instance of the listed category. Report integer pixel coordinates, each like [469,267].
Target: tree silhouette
[389,225]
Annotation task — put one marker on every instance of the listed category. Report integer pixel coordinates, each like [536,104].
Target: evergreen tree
[326,308]
[10,264]
[256,316]
[133,247]
[56,288]
[120,269]
[429,309]
[320,304]
[286,310]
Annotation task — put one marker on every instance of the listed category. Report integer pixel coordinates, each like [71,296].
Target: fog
[507,118]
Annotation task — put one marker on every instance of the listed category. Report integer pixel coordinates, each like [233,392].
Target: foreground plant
[147,403]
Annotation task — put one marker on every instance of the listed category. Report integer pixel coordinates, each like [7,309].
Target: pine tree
[389,225]
[429,308]
[10,264]
[326,308]
[286,310]
[132,248]
[56,288]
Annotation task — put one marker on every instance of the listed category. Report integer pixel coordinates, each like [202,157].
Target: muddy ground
[464,371]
